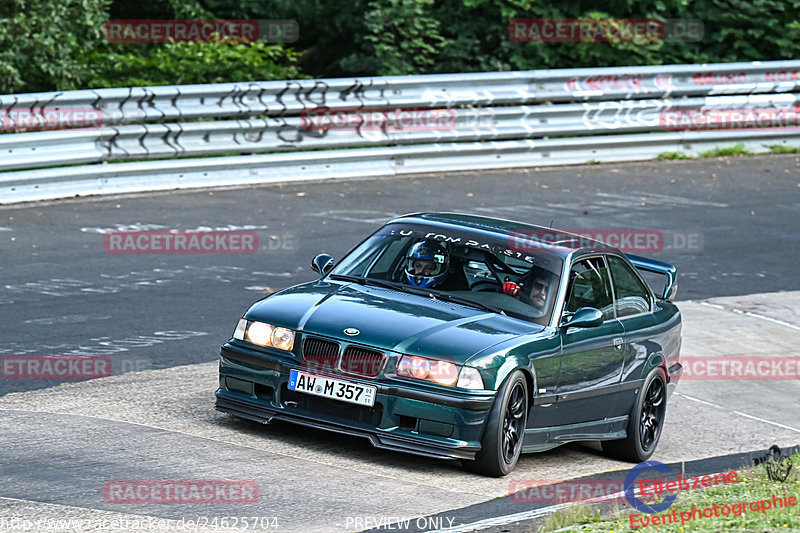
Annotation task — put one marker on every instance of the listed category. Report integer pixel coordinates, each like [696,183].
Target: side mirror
[585,317]
[322,264]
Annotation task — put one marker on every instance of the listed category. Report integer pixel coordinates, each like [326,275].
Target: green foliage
[669,156]
[402,38]
[42,41]
[58,44]
[736,149]
[753,485]
[783,149]
[188,63]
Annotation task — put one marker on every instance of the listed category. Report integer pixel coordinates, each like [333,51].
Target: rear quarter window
[632,297]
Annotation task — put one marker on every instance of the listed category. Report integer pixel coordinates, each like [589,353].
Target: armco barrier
[497,120]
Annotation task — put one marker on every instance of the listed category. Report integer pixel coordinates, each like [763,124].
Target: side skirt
[541,439]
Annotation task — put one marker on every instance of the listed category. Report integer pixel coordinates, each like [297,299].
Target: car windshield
[468,267]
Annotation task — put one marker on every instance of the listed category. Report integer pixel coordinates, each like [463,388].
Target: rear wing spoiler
[658,267]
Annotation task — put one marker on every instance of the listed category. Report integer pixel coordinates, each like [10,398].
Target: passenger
[533,291]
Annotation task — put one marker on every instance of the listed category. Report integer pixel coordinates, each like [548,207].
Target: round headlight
[404,366]
[283,339]
[259,333]
[420,368]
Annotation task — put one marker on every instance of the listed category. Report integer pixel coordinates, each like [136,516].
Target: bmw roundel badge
[351,331]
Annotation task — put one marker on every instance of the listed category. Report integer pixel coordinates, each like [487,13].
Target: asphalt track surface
[731,227]
[63,293]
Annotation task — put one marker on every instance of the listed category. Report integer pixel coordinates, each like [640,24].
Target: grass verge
[670,156]
[754,485]
[783,149]
[736,149]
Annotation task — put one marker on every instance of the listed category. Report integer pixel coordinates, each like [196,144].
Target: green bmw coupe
[465,337]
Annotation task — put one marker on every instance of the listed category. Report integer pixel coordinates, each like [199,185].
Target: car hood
[388,319]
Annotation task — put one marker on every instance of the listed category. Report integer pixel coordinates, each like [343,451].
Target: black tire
[501,444]
[645,423]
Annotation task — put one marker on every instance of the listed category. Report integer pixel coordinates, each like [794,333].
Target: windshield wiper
[467,301]
[384,284]
[342,277]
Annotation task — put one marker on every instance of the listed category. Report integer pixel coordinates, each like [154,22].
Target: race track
[729,225]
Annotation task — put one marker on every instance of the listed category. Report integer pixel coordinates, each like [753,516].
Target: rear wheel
[501,444]
[645,422]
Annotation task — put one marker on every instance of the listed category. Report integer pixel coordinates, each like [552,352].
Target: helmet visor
[427,266]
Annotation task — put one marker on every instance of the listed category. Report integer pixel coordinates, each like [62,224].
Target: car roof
[563,245]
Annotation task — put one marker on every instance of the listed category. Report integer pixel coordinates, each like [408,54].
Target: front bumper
[409,419]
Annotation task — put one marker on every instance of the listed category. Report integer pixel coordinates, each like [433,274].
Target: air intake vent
[362,361]
[320,355]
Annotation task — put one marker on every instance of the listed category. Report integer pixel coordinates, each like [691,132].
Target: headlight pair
[264,335]
[441,372]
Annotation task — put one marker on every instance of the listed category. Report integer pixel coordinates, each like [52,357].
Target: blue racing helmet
[426,264]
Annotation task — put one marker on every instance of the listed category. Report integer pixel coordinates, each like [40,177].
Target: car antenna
[551,223]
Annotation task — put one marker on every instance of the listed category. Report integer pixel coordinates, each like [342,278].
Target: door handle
[618,343]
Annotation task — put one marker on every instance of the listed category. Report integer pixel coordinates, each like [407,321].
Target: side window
[590,287]
[632,296]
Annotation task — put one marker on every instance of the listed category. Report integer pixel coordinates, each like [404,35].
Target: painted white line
[503,520]
[751,314]
[527,515]
[367,216]
[783,426]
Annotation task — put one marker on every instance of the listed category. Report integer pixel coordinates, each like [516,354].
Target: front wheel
[645,422]
[501,444]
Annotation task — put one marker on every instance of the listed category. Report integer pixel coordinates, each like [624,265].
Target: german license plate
[332,388]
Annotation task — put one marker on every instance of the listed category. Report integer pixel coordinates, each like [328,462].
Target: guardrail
[485,120]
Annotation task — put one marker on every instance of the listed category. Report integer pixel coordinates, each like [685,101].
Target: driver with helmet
[426,264]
